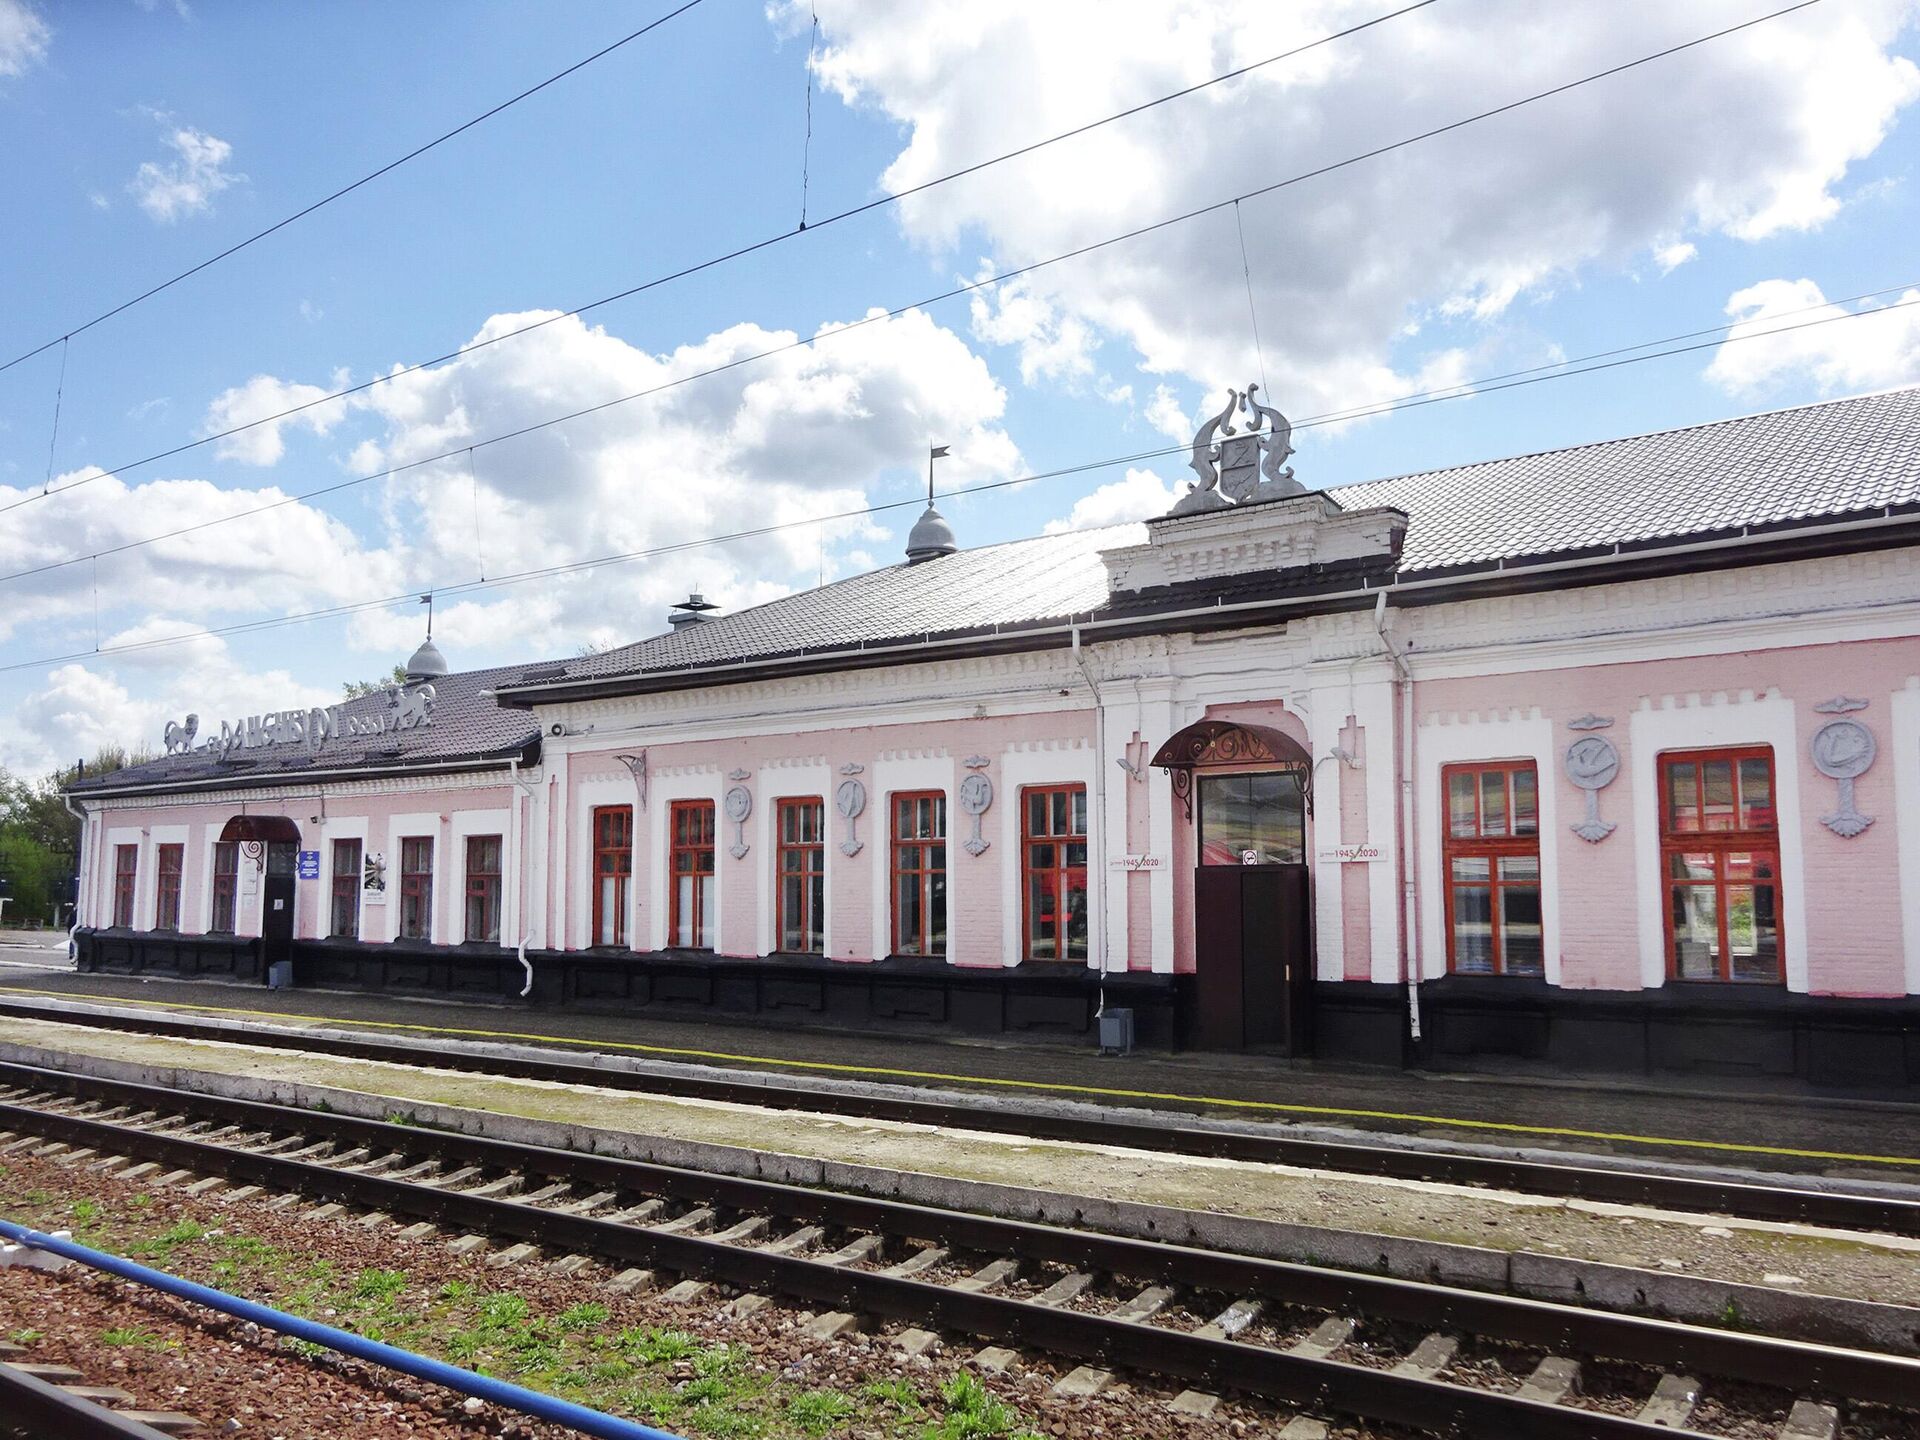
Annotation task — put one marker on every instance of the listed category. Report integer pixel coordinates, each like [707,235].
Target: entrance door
[1252,955]
[1251,939]
[276,911]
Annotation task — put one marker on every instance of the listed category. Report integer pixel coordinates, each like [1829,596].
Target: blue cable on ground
[529,1402]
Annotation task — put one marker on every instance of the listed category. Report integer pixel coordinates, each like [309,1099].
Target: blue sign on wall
[307,866]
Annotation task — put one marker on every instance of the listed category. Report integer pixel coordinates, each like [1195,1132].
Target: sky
[1760,179]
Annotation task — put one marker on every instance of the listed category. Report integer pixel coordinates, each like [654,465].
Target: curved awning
[1230,742]
[263,828]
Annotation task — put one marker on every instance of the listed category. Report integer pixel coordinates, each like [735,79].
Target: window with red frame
[483,889]
[168,861]
[126,865]
[226,880]
[920,873]
[801,871]
[612,872]
[343,909]
[1492,859]
[1053,836]
[1720,859]
[690,873]
[416,888]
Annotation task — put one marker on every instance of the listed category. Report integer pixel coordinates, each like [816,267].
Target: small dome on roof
[427,662]
[930,536]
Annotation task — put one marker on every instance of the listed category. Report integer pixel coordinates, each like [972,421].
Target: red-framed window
[416,888]
[168,862]
[800,868]
[343,899]
[1720,863]
[226,881]
[612,872]
[1053,853]
[483,889]
[1492,859]
[690,875]
[126,867]
[920,873]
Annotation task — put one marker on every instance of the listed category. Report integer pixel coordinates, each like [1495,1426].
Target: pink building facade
[1606,758]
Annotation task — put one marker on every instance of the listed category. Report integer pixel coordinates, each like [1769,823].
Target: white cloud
[1671,256]
[800,434]
[1880,350]
[1746,136]
[186,184]
[264,395]
[1139,495]
[23,37]
[1051,345]
[287,558]
[128,699]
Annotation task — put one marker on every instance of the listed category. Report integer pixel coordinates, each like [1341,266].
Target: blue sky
[1765,172]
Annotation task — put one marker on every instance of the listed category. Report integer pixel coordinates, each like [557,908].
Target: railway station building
[1594,760]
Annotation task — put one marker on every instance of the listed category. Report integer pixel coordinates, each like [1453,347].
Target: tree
[40,837]
[355,689]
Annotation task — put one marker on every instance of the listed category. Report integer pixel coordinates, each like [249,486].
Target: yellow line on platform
[1054,1087]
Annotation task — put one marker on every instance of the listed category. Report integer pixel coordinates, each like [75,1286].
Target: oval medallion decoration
[1844,750]
[976,796]
[850,799]
[739,805]
[1592,763]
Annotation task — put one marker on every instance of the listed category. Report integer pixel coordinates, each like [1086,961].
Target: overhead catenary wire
[980,283]
[1462,390]
[700,542]
[348,189]
[754,247]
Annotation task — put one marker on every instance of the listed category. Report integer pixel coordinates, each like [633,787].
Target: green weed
[818,1411]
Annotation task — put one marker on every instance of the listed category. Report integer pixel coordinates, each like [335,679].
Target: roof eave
[1880,527]
[525,752]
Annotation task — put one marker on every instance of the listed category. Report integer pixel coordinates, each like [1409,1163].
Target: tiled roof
[1836,458]
[466,724]
[1832,458]
[995,585]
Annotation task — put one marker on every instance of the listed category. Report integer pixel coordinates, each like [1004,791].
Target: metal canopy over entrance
[261,828]
[1230,742]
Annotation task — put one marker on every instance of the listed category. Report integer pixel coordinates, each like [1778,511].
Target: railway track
[1837,1208]
[54,1402]
[1426,1356]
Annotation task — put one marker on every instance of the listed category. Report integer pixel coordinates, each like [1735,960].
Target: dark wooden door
[276,911]
[1253,958]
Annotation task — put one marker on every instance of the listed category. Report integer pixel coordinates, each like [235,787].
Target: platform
[1833,1135]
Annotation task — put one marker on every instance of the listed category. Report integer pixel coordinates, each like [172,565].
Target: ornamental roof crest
[1240,466]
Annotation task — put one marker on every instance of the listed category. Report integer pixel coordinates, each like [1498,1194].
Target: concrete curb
[1829,1319]
[1015,1103]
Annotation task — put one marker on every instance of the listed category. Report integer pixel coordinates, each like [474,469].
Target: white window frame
[894,777]
[772,784]
[344,828]
[465,824]
[591,795]
[1013,772]
[417,826]
[702,784]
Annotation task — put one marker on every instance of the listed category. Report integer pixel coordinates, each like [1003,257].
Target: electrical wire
[1462,390]
[345,190]
[978,284]
[755,247]
[700,542]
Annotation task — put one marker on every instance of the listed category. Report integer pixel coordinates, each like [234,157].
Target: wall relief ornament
[1239,467]
[1839,705]
[1591,764]
[1590,721]
[1843,751]
[636,764]
[850,799]
[739,804]
[976,796]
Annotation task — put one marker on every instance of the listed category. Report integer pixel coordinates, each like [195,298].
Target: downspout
[80,876]
[1405,799]
[1097,843]
[516,862]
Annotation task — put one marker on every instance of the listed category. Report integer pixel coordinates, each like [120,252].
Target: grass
[588,1352]
[133,1337]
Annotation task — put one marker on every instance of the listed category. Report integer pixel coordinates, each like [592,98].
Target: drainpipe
[516,863]
[80,869]
[1403,775]
[1097,842]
